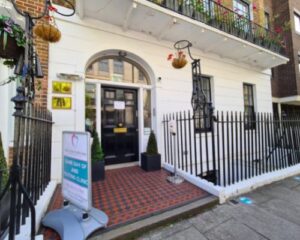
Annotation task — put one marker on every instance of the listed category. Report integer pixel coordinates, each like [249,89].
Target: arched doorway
[118,106]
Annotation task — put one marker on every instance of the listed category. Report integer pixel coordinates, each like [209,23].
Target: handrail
[226,20]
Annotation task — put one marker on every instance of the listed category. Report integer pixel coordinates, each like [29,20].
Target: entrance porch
[131,194]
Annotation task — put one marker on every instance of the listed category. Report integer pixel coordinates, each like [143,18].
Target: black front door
[119,122]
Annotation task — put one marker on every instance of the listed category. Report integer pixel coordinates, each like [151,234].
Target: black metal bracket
[29,63]
[199,100]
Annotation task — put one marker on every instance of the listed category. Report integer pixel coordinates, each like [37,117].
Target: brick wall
[286,79]
[63,2]
[34,7]
[258,13]
[268,7]
[42,47]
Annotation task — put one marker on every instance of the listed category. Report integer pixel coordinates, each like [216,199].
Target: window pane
[147,110]
[118,67]
[103,66]
[249,107]
[241,8]
[297,22]
[90,107]
[267,20]
[129,115]
[299,61]
[202,116]
[110,94]
[128,74]
[110,115]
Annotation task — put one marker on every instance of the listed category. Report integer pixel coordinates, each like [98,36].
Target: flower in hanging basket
[179,60]
[12,38]
[48,31]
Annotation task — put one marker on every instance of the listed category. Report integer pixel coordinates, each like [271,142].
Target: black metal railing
[4,206]
[30,171]
[231,152]
[227,20]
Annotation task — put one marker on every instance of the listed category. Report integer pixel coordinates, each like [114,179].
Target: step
[135,229]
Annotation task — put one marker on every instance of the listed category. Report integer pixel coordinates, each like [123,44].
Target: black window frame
[267,21]
[200,126]
[249,107]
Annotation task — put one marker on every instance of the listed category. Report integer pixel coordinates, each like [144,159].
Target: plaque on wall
[61,103]
[62,87]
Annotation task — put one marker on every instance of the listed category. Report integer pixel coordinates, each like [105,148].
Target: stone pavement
[274,214]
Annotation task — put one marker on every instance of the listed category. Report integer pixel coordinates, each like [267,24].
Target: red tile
[129,194]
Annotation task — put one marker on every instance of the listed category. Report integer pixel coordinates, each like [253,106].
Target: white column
[141,120]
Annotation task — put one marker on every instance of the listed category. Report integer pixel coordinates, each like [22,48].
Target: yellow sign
[62,87]
[61,103]
[120,130]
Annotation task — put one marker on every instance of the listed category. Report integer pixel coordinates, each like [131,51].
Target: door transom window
[117,69]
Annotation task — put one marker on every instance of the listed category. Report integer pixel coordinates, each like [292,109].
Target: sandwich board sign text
[76,185]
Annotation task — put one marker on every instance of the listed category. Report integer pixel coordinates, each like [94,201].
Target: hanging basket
[11,50]
[47,32]
[179,62]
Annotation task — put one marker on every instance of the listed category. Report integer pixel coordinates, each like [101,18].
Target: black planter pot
[151,162]
[211,176]
[4,211]
[98,171]
[11,50]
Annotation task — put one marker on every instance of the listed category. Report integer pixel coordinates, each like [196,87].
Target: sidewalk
[274,215]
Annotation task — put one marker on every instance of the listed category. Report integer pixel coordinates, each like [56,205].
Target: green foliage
[3,166]
[97,151]
[152,145]
[9,28]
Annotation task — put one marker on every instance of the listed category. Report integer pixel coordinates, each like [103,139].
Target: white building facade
[105,38]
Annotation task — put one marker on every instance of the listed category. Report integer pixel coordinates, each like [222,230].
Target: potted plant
[151,159]
[97,156]
[12,40]
[179,60]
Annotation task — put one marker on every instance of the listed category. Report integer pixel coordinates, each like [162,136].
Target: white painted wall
[83,39]
[7,91]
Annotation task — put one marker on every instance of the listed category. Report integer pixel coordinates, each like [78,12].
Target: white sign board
[76,185]
[172,127]
[119,105]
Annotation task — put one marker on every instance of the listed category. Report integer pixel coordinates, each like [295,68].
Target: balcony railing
[226,20]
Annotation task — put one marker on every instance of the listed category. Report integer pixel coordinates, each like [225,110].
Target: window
[297,22]
[90,107]
[103,66]
[147,111]
[118,67]
[141,76]
[202,116]
[117,70]
[299,61]
[249,106]
[267,21]
[241,8]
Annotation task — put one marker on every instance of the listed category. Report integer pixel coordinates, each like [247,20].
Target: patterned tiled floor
[129,194]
